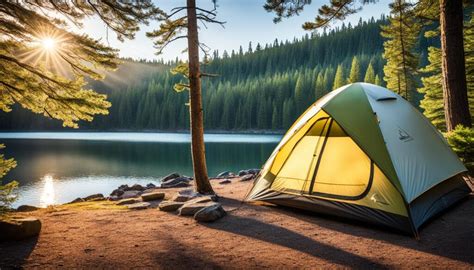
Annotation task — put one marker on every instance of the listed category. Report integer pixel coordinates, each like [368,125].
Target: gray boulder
[225,181]
[135,187]
[189,209]
[128,201]
[247,177]
[130,194]
[139,206]
[225,174]
[253,171]
[181,181]
[95,197]
[19,228]
[242,172]
[210,213]
[170,176]
[26,208]
[169,206]
[150,185]
[153,196]
[77,200]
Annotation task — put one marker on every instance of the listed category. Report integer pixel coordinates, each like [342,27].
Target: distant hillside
[259,87]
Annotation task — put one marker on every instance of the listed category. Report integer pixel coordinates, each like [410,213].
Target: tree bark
[456,105]
[202,184]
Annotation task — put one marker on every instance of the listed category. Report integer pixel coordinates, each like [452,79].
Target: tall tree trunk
[456,105]
[195,100]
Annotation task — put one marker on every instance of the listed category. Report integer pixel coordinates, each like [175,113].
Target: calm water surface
[57,167]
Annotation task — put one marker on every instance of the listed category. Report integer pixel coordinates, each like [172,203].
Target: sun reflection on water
[47,195]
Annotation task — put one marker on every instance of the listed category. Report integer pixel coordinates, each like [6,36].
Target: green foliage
[339,78]
[26,77]
[6,191]
[399,49]
[461,140]
[355,74]
[432,89]
[369,74]
[142,98]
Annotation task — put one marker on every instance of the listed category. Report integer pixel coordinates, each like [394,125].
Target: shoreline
[216,131]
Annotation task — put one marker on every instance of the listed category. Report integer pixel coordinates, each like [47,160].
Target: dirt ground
[251,237]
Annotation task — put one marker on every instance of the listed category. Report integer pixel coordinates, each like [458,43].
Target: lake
[57,167]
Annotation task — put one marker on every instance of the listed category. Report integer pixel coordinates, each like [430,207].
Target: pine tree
[369,74]
[339,78]
[299,94]
[402,61]
[377,80]
[355,74]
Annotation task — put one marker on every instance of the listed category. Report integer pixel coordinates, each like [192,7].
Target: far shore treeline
[258,87]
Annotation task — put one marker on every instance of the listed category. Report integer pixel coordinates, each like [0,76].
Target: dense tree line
[260,87]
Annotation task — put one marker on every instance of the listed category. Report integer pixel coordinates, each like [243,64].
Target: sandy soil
[251,237]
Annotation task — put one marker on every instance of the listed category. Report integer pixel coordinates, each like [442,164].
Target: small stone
[26,208]
[225,181]
[153,196]
[19,228]
[169,206]
[113,198]
[176,182]
[203,199]
[150,185]
[127,201]
[77,200]
[130,194]
[246,177]
[242,173]
[138,206]
[225,174]
[170,176]
[181,198]
[135,187]
[95,197]
[189,209]
[210,213]
[117,192]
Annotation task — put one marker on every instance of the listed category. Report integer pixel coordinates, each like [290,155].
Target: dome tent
[365,153]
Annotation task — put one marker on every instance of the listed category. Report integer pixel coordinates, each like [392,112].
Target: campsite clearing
[250,237]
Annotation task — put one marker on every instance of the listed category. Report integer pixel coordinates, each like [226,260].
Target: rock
[19,228]
[253,171]
[130,194]
[169,206]
[149,190]
[135,187]
[181,198]
[242,173]
[95,197]
[26,208]
[77,200]
[138,206]
[210,213]
[153,196]
[189,209]
[114,198]
[176,185]
[247,177]
[150,185]
[203,199]
[128,201]
[117,192]
[225,181]
[169,177]
[225,174]
[181,181]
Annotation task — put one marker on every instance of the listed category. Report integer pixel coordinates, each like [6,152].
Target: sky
[246,21]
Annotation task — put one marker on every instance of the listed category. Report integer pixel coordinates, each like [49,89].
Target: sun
[49,44]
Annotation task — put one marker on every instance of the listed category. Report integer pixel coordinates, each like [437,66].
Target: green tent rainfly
[363,152]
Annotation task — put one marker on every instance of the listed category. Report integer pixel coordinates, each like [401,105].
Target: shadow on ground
[13,254]
[450,234]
